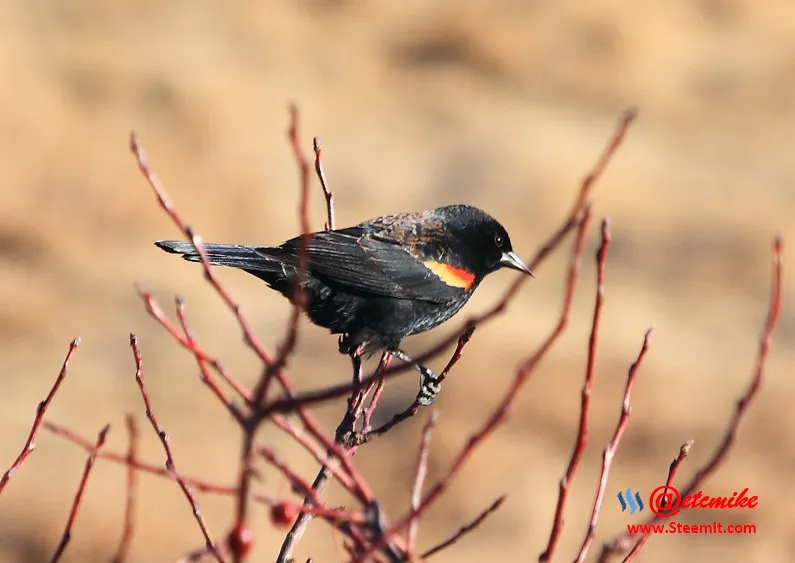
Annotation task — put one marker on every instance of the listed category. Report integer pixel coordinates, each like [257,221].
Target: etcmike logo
[666,501]
[635,503]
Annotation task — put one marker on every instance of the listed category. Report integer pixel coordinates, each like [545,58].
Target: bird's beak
[512,260]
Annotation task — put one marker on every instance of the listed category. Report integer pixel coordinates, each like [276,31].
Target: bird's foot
[430,386]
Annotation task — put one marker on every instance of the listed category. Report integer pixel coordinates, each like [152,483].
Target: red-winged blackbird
[384,279]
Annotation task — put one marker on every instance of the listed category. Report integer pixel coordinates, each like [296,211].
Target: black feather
[231,255]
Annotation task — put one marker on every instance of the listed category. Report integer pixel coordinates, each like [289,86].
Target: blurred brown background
[502,104]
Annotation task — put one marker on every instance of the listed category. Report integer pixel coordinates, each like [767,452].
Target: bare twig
[30,444]
[323,457]
[361,489]
[321,175]
[624,122]
[297,483]
[610,451]
[755,384]
[683,453]
[419,479]
[298,528]
[165,203]
[345,428]
[197,555]
[115,457]
[206,377]
[156,312]
[466,528]
[624,542]
[132,479]
[367,413]
[67,533]
[298,296]
[284,514]
[585,401]
[463,340]
[170,465]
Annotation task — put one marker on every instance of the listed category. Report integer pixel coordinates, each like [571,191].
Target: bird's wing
[379,263]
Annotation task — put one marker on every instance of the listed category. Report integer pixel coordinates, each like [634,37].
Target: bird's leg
[344,344]
[359,392]
[355,353]
[429,381]
[356,399]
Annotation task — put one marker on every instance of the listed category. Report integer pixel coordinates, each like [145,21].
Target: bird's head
[475,242]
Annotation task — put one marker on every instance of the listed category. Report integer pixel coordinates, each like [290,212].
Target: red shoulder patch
[452,276]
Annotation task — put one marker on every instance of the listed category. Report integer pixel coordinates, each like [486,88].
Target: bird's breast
[426,315]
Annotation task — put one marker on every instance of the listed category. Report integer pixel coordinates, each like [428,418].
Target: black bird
[382,280]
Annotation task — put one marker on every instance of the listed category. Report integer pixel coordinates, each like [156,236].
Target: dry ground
[503,104]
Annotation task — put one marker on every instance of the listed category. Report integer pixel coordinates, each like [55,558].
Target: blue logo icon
[635,503]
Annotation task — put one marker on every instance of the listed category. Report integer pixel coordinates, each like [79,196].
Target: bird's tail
[231,255]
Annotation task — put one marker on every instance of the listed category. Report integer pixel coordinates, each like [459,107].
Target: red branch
[683,453]
[302,487]
[618,137]
[132,481]
[30,444]
[299,297]
[297,483]
[585,401]
[610,451]
[774,310]
[419,478]
[321,175]
[156,312]
[344,429]
[67,533]
[466,528]
[149,468]
[170,465]
[625,542]
[206,378]
[321,456]
[195,239]
[463,340]
[367,413]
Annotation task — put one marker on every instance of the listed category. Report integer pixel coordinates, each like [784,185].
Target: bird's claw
[430,387]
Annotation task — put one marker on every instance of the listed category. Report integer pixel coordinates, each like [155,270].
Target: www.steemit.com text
[679,528]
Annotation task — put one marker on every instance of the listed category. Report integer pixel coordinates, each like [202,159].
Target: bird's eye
[498,240]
